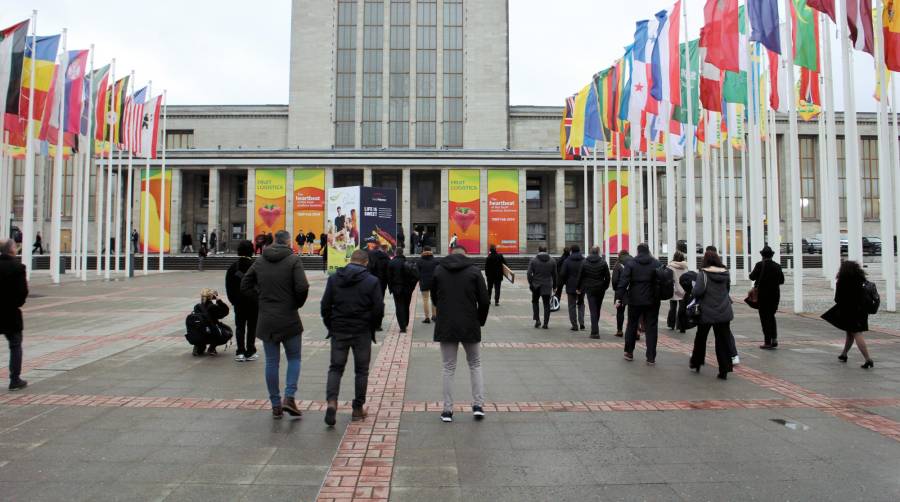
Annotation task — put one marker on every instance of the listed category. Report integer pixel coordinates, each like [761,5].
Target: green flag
[734,89]
[806,35]
[681,112]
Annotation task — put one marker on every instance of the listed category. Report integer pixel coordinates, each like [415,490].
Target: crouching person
[352,309]
[205,332]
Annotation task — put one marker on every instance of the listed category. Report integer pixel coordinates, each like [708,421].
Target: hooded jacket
[542,274]
[593,278]
[280,283]
[426,264]
[639,281]
[713,289]
[378,266]
[236,272]
[493,266]
[352,305]
[678,269]
[460,294]
[570,270]
[401,276]
[617,277]
[12,294]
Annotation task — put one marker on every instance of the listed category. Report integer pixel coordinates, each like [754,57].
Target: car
[871,246]
[681,245]
[813,245]
[844,244]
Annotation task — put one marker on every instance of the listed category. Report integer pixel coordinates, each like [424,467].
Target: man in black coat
[620,300]
[461,295]
[378,266]
[640,283]
[12,296]
[593,281]
[425,265]
[414,245]
[401,278]
[246,309]
[352,308]
[769,277]
[542,279]
[569,279]
[493,271]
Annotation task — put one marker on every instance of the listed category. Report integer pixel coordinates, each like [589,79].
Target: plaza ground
[118,409]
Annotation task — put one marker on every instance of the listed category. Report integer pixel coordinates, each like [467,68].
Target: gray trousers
[449,351]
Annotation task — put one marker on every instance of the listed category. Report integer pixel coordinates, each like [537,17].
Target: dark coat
[352,305]
[848,313]
[769,278]
[310,238]
[426,265]
[542,274]
[639,280]
[593,278]
[617,277]
[493,266]
[215,311]
[280,283]
[378,265]
[300,239]
[713,290]
[12,294]
[460,294]
[233,277]
[569,274]
[402,276]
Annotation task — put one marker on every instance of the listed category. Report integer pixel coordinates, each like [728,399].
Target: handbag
[694,311]
[554,303]
[752,299]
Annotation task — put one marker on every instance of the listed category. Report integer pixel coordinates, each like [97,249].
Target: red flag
[859,18]
[720,34]
[825,6]
[809,86]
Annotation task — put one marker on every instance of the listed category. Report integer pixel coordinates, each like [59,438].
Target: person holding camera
[213,309]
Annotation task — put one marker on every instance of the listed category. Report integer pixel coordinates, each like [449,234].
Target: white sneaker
[253,357]
[240,358]
[735,360]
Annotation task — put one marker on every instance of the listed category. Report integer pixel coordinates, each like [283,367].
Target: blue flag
[656,87]
[592,130]
[764,23]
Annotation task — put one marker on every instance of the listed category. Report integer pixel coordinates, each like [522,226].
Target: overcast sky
[235,52]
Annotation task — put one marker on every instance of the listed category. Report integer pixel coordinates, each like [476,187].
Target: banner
[153,201]
[270,201]
[615,206]
[309,206]
[342,226]
[379,218]
[503,210]
[465,206]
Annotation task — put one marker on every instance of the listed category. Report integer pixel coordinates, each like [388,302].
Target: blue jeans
[273,359]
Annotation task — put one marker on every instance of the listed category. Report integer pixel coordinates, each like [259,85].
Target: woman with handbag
[213,309]
[678,266]
[849,313]
[766,294]
[711,298]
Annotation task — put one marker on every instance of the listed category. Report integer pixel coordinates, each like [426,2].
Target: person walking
[301,242]
[201,256]
[246,308]
[279,281]
[351,308]
[213,309]
[593,281]
[493,271]
[768,278]
[849,312]
[13,294]
[620,299]
[640,283]
[678,266]
[135,239]
[259,243]
[378,266]
[569,279]
[214,242]
[185,238]
[311,242]
[38,244]
[461,295]
[401,279]
[426,264]
[401,236]
[712,292]
[453,241]
[414,246]
[542,280]
[559,265]
[203,241]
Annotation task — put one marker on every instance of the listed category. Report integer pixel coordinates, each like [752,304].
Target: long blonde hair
[207,294]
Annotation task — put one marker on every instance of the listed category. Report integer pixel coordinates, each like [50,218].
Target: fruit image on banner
[503,210]
[309,204]
[270,201]
[152,200]
[615,206]
[464,208]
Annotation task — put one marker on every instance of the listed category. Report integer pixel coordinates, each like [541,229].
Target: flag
[735,124]
[805,35]
[720,34]
[119,93]
[765,23]
[564,124]
[150,128]
[77,66]
[891,21]
[12,53]
[777,83]
[710,83]
[689,52]
[639,89]
[859,17]
[824,6]
[665,58]
[43,50]
[133,117]
[734,86]
[100,94]
[809,87]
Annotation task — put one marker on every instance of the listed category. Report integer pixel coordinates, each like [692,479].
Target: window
[241,189]
[533,196]
[238,231]
[574,232]
[373,43]
[398,114]
[571,194]
[345,92]
[809,206]
[19,186]
[842,178]
[204,192]
[425,194]
[537,231]
[453,74]
[179,139]
[868,156]
[426,73]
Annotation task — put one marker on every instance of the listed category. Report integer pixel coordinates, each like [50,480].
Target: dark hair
[766,252]
[283,237]
[360,257]
[623,253]
[426,248]
[712,248]
[678,256]
[643,248]
[576,248]
[711,259]
[850,273]
[245,248]
[542,249]
[493,248]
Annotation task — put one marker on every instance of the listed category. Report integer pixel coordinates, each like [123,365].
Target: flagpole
[632,197]
[118,217]
[75,225]
[164,203]
[823,188]
[773,192]
[885,182]
[705,186]
[671,212]
[895,137]
[28,192]
[651,197]
[745,240]
[851,149]
[831,231]
[56,207]
[587,236]
[714,181]
[689,176]
[145,206]
[793,155]
[595,204]
[619,208]
[604,188]
[639,201]
[723,203]
[107,213]
[732,216]
[86,193]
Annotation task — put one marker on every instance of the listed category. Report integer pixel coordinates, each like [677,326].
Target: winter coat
[280,283]
[769,278]
[593,278]
[848,313]
[310,238]
[560,261]
[12,294]
[426,265]
[617,277]
[300,239]
[639,281]
[493,266]
[378,266]
[686,281]
[215,311]
[570,270]
[460,294]
[542,274]
[713,290]
[236,272]
[352,305]
[678,269]
[402,276]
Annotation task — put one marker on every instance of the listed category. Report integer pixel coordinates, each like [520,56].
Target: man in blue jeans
[13,292]
[280,284]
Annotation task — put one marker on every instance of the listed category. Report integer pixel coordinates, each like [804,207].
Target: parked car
[681,245]
[813,245]
[871,246]
[787,247]
[843,244]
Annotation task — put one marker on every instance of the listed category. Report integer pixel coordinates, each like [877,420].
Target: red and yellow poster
[617,206]
[270,201]
[503,210]
[153,201]
[309,206]
[465,209]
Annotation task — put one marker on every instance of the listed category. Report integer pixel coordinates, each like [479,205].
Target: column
[367,176]
[175,217]
[329,178]
[251,202]
[289,203]
[406,203]
[137,186]
[444,241]
[523,212]
[212,219]
[559,223]
[483,188]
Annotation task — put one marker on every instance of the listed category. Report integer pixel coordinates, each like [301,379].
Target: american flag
[134,114]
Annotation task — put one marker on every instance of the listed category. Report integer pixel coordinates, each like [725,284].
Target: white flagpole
[885,182]
[639,201]
[774,188]
[86,193]
[651,147]
[748,166]
[107,213]
[129,220]
[723,200]
[671,211]
[28,203]
[595,204]
[654,200]
[714,179]
[118,218]
[56,208]
[851,150]
[146,206]
[162,212]
[895,141]
[706,197]
[831,204]
[75,226]
[793,155]
[689,177]
[745,225]
[632,197]
[619,207]
[587,235]
[605,189]
[822,166]
[732,216]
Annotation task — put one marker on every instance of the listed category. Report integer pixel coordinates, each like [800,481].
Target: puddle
[794,426]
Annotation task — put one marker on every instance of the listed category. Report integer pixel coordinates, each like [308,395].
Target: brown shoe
[619,334]
[290,406]
[330,413]
[359,414]
[277,413]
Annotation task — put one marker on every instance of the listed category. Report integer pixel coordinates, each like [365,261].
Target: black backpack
[201,329]
[665,283]
[871,299]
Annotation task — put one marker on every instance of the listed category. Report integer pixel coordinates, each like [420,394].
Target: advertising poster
[616,206]
[309,206]
[379,218]
[465,206]
[342,225]
[153,202]
[503,210]
[270,201]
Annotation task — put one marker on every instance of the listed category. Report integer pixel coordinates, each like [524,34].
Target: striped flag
[859,18]
[150,128]
[12,52]
[666,59]
[132,120]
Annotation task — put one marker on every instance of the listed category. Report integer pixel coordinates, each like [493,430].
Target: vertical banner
[342,226]
[270,201]
[379,218]
[615,206]
[464,207]
[309,206]
[154,203]
[503,210]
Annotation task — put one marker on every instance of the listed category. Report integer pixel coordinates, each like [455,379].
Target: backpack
[665,283]
[871,300]
[201,329]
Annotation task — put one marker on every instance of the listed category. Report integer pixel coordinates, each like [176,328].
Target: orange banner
[503,210]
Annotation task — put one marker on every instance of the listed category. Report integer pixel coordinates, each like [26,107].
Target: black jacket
[848,313]
[13,293]
[236,272]
[280,282]
[617,277]
[542,274]
[769,278]
[460,294]
[426,265]
[593,278]
[378,265]
[493,266]
[402,276]
[215,311]
[352,304]
[570,270]
[713,290]
[639,280]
